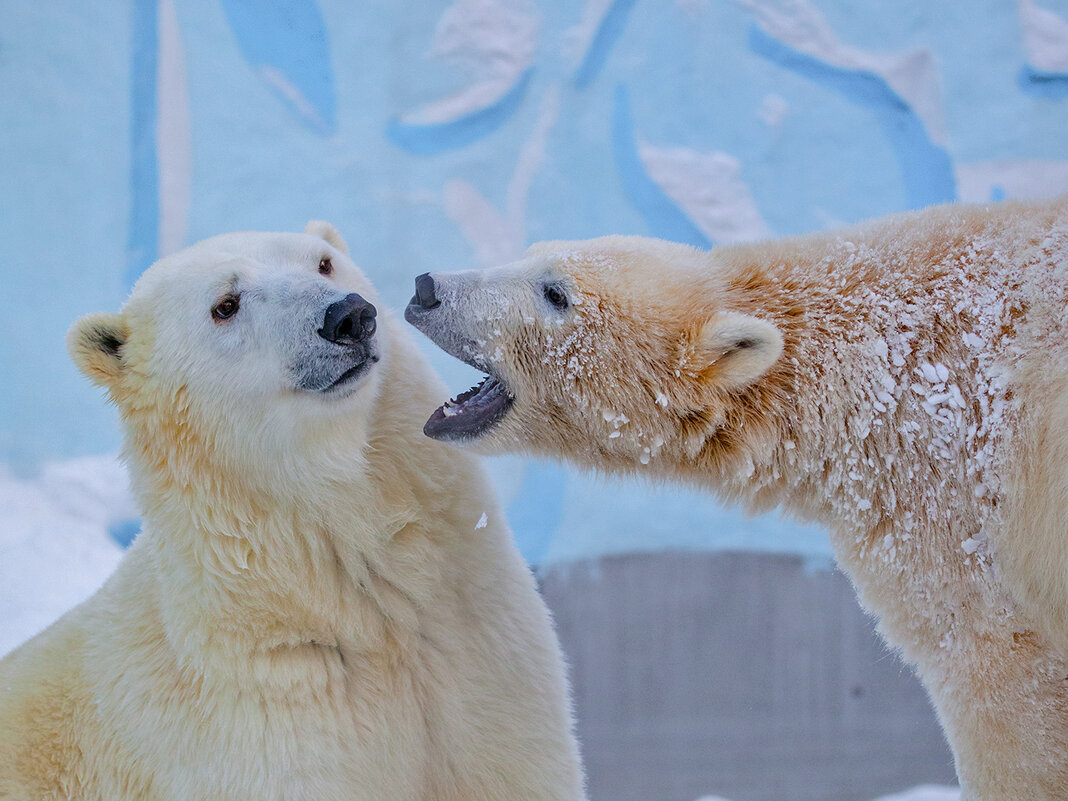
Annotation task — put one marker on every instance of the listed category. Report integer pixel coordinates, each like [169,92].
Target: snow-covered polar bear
[904,382]
[323,603]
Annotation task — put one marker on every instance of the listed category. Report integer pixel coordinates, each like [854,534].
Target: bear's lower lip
[471,413]
[352,373]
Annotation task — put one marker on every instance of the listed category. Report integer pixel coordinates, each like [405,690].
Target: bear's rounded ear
[737,348]
[95,343]
[327,232]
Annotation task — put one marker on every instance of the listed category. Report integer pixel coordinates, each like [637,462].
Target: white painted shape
[913,75]
[489,234]
[1045,37]
[530,159]
[579,37]
[276,78]
[54,545]
[499,238]
[773,110]
[710,189]
[1021,179]
[467,100]
[495,41]
[172,133]
[489,34]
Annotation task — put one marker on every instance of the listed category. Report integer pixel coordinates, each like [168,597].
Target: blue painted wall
[442,136]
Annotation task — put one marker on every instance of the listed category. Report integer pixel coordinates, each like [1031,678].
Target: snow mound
[925,792]
[55,546]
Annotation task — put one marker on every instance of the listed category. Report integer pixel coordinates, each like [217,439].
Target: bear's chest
[343,729]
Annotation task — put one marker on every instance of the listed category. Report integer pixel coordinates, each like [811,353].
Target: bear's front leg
[1003,700]
[509,735]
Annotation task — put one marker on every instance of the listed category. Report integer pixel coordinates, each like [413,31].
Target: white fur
[915,403]
[313,610]
[746,345]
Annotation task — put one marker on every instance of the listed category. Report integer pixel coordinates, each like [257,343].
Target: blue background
[296,109]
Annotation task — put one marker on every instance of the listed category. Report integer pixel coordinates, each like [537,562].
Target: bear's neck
[887,417]
[894,348]
[340,554]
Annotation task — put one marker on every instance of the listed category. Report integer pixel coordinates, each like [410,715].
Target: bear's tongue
[470,413]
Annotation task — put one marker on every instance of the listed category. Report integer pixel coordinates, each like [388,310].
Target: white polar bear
[904,382]
[312,610]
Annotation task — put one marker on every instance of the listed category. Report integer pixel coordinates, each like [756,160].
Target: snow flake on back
[903,394]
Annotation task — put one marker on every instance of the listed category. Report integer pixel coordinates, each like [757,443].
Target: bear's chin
[351,380]
[472,413]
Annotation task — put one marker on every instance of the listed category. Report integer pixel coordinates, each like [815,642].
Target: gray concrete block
[737,674]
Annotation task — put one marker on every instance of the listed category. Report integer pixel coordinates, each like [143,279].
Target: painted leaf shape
[286,42]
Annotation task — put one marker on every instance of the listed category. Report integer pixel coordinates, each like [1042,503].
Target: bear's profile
[903,381]
[323,604]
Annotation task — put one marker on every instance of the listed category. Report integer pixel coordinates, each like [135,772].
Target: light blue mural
[662,216]
[446,135]
[1045,73]
[926,169]
[431,138]
[609,29]
[286,42]
[143,247]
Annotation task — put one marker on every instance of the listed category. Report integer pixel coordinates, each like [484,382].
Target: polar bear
[323,604]
[903,381]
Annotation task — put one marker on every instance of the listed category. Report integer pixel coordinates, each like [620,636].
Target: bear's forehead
[612,256]
[220,258]
[265,248]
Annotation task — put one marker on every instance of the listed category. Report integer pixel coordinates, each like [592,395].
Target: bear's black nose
[349,321]
[424,292]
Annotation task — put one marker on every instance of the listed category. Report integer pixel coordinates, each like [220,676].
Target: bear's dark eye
[555,296]
[326,267]
[226,308]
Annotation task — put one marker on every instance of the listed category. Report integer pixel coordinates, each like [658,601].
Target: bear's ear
[327,232]
[738,348]
[95,343]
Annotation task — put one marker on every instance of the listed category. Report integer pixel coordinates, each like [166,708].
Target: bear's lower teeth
[470,412]
[485,390]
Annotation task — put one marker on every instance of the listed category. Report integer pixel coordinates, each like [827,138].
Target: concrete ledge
[738,674]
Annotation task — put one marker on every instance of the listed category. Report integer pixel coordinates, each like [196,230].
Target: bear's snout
[425,295]
[349,321]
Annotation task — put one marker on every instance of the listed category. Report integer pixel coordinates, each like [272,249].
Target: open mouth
[470,413]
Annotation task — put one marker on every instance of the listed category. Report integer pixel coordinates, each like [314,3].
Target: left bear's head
[239,350]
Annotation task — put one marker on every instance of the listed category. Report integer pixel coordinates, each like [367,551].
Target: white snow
[925,792]
[55,550]
[482,521]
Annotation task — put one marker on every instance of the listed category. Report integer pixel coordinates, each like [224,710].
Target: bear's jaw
[347,382]
[472,413]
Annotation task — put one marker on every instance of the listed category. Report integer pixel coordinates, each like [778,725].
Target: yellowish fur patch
[913,402]
[313,610]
